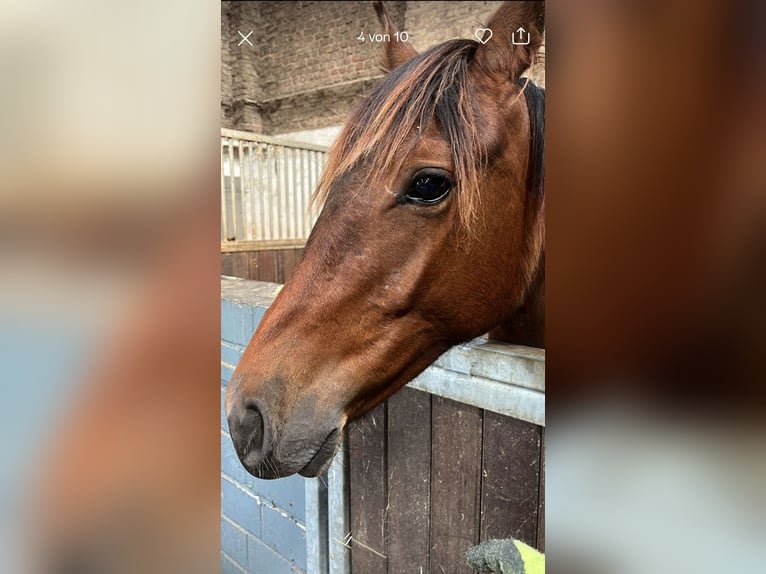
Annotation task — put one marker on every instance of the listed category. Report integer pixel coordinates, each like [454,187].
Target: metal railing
[266,186]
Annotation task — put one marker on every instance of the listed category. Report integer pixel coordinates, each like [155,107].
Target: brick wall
[431,23]
[240,80]
[306,68]
[263,526]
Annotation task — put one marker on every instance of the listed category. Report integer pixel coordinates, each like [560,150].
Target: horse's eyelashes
[427,188]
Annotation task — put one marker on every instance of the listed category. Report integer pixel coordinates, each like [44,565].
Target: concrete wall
[263,522]
[306,68]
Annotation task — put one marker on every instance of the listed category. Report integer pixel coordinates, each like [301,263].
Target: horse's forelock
[434,86]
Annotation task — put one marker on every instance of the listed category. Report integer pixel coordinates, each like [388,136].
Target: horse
[431,233]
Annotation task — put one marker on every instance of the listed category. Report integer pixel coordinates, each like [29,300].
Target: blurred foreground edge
[130,482]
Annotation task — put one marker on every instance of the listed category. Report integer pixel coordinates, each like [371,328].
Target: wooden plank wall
[274,265]
[430,477]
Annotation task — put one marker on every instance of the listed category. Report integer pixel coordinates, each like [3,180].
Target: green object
[506,557]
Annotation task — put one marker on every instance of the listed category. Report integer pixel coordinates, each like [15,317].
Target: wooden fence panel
[409,480]
[367,492]
[510,479]
[273,265]
[430,477]
[456,484]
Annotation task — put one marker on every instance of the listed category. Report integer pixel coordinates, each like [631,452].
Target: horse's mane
[434,85]
[535,98]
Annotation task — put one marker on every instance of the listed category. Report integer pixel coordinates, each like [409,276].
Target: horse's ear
[396,52]
[517,33]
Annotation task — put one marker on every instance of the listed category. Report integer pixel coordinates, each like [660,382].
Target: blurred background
[110,263]
[656,259]
[109,286]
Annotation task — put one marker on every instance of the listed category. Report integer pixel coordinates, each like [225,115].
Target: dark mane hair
[535,98]
[434,86]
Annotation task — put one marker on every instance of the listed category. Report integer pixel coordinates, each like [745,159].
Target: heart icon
[480,32]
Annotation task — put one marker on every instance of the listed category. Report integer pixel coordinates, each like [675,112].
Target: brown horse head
[431,234]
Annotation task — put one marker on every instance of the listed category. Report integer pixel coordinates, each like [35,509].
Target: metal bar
[261,244]
[316,525]
[257,200]
[263,170]
[242,190]
[224,208]
[317,175]
[310,186]
[233,187]
[523,366]
[251,159]
[268,192]
[295,194]
[338,523]
[301,211]
[289,192]
[282,188]
[504,398]
[249,136]
[247,228]
[274,193]
[289,189]
[310,174]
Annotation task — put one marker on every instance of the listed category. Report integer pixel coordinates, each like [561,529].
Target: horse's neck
[527,324]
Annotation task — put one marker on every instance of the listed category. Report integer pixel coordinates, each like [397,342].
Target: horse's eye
[428,189]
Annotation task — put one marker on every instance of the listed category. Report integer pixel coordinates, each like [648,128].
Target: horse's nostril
[252,424]
[246,426]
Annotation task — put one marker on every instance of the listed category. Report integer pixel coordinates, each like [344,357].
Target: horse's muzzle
[300,446]
[323,456]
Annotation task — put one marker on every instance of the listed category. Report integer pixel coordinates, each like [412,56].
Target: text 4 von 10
[398,36]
